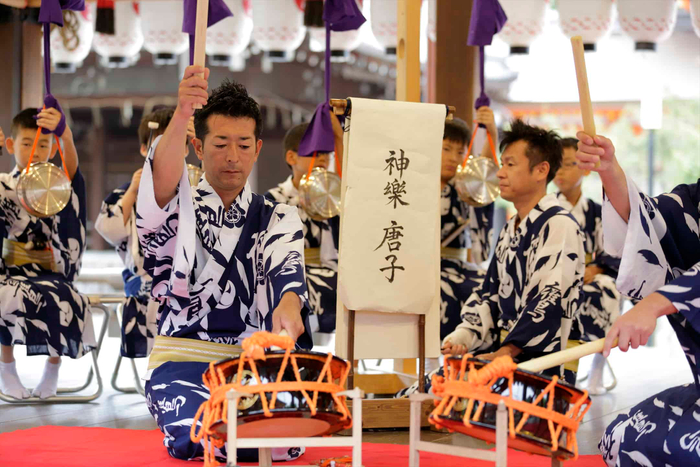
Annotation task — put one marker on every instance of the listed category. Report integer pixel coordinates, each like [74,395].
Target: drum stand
[265,445]
[499,456]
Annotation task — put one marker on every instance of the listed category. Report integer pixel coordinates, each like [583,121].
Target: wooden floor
[641,373]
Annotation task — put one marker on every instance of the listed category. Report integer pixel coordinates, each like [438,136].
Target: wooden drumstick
[454,234]
[282,333]
[200,37]
[584,94]
[537,365]
[152,126]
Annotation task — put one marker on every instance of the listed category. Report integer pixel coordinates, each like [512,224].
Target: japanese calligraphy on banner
[389,256]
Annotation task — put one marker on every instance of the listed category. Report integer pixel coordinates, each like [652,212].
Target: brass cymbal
[477,183]
[319,194]
[44,190]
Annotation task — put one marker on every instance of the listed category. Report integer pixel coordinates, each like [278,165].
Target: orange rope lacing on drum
[339,461]
[477,388]
[58,144]
[471,143]
[216,408]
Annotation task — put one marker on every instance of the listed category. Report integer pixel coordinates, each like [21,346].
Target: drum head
[477,183]
[320,194]
[535,435]
[291,416]
[44,190]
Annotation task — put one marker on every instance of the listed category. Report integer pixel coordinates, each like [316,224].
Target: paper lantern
[68,51]
[525,23]
[121,49]
[590,19]
[161,24]
[384,24]
[342,42]
[695,15]
[230,36]
[278,27]
[648,22]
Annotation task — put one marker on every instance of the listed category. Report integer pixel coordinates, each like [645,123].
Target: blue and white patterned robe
[532,289]
[40,308]
[660,250]
[458,279]
[218,275]
[139,325]
[321,279]
[600,303]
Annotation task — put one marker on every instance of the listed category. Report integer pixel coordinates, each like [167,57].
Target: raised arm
[599,155]
[169,156]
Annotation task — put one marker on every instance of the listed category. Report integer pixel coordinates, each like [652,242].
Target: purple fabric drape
[488,18]
[51,12]
[339,15]
[217,11]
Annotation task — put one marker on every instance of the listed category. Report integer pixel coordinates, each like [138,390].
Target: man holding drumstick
[659,243]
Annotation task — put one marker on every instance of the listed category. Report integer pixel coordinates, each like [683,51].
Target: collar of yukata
[545,203]
[206,194]
[288,188]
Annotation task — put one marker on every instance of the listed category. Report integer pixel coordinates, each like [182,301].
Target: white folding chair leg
[138,387]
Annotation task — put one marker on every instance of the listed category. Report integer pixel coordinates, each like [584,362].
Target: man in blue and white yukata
[659,242]
[225,261]
[531,293]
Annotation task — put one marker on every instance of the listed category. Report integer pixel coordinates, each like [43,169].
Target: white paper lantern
[230,36]
[67,55]
[695,15]
[278,27]
[590,19]
[121,50]
[648,22]
[525,23]
[161,25]
[342,42]
[384,24]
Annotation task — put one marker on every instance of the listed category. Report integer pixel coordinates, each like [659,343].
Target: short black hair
[161,117]
[230,99]
[24,121]
[457,130]
[542,145]
[293,137]
[569,143]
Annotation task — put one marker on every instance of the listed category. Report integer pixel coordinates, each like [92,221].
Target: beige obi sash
[312,256]
[16,254]
[454,253]
[178,349]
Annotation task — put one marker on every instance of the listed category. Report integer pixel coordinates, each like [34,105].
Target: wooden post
[452,63]
[351,348]
[32,84]
[408,51]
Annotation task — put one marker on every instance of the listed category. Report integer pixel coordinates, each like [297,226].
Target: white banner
[389,257]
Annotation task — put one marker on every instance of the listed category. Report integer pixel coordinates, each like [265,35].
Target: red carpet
[106,447]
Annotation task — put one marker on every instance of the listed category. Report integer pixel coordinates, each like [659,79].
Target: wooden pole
[200,37]
[584,94]
[408,51]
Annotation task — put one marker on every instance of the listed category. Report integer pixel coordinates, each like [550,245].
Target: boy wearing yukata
[117,224]
[41,258]
[225,261]
[659,242]
[460,275]
[532,289]
[600,302]
[320,236]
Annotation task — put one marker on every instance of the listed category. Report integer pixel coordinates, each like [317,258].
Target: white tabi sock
[49,381]
[10,383]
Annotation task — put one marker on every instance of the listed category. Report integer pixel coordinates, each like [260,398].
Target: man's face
[569,176]
[229,151]
[21,146]
[516,179]
[453,153]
